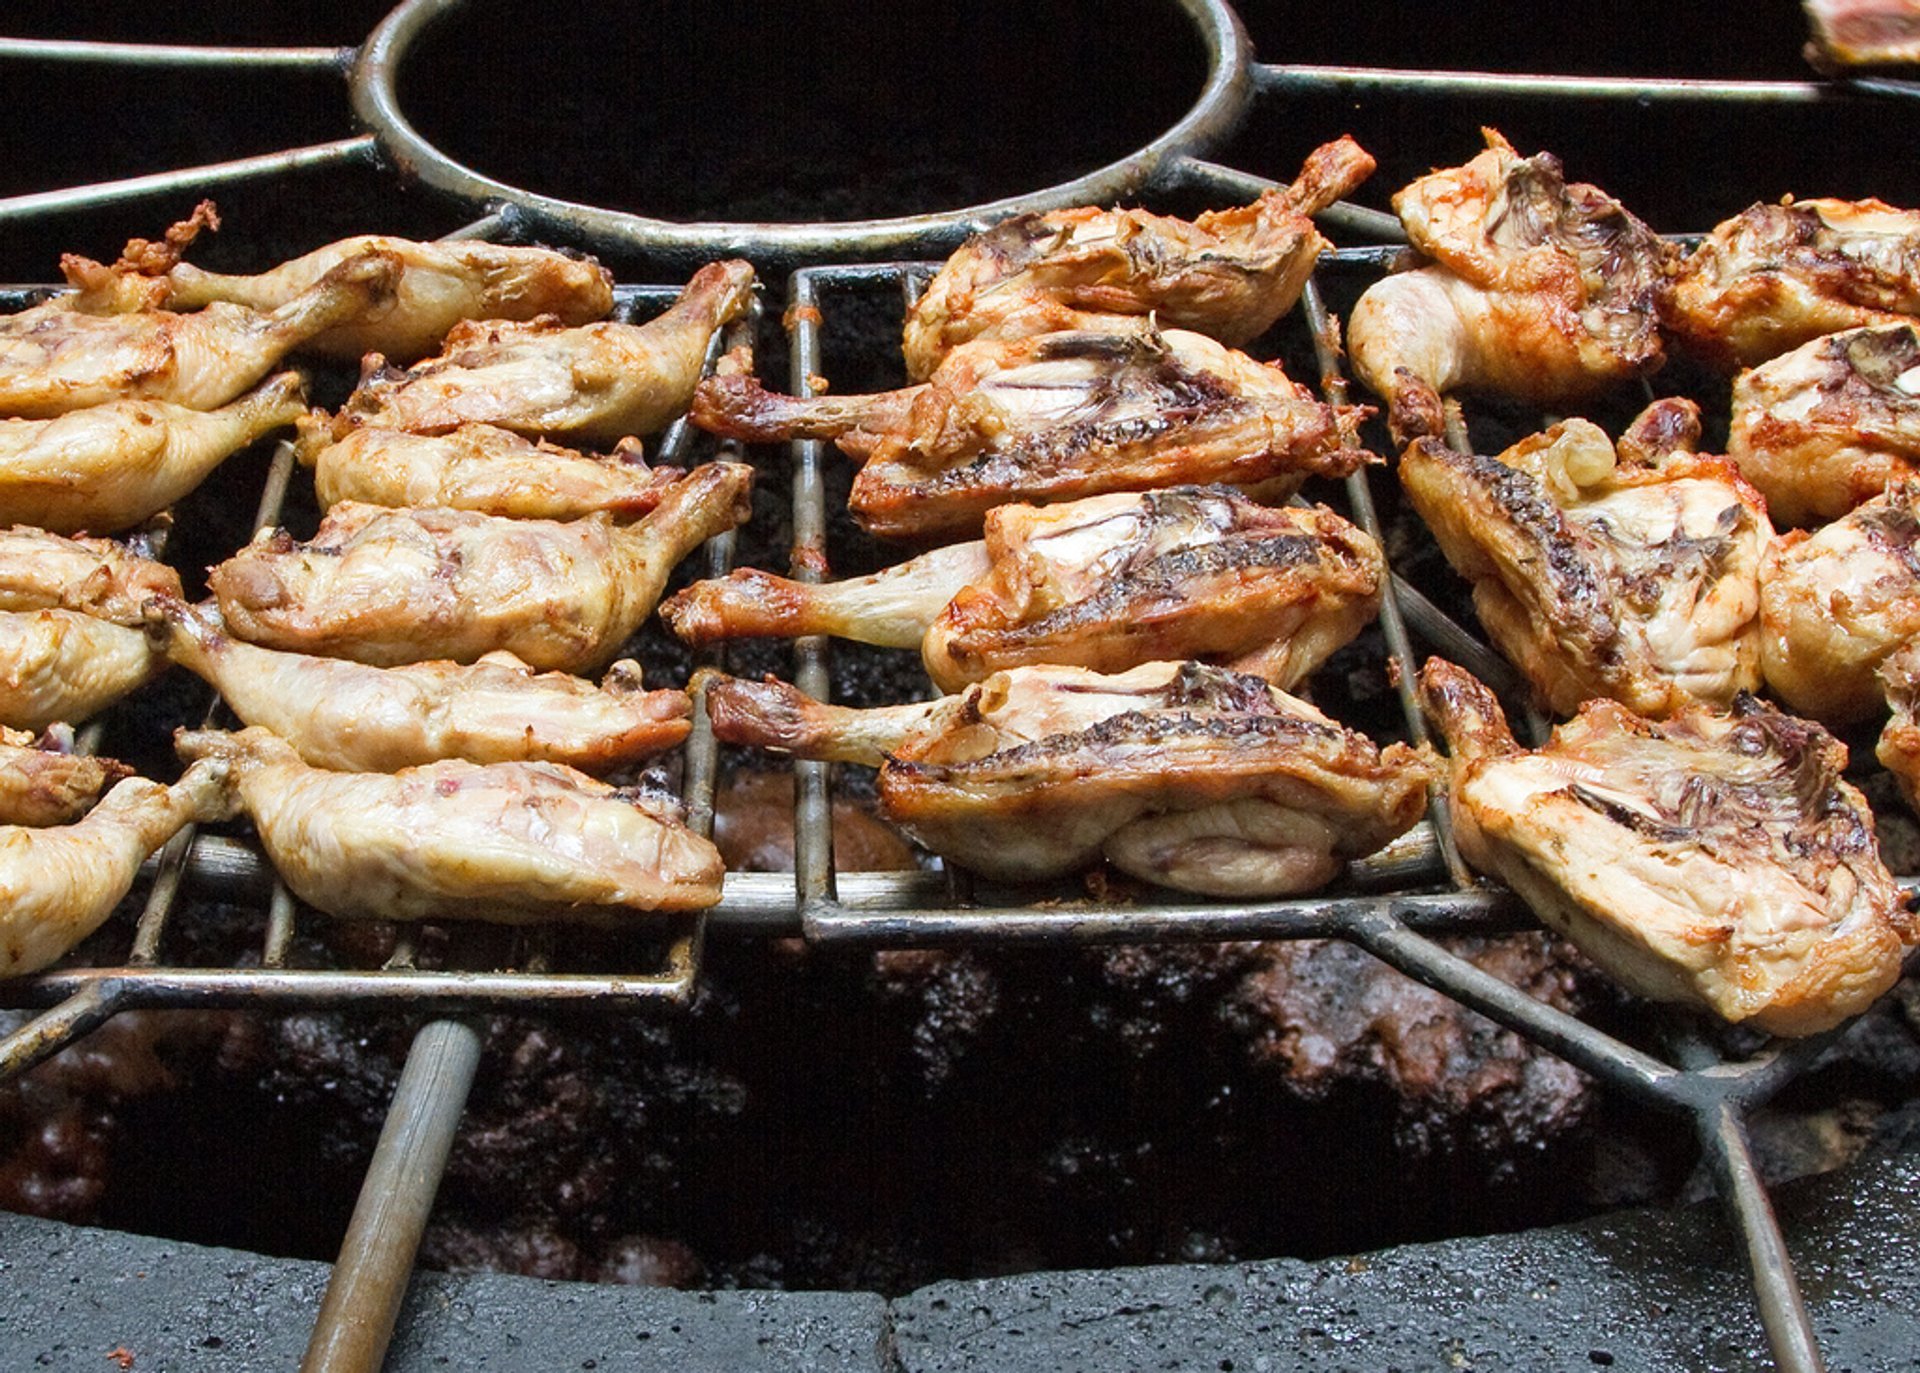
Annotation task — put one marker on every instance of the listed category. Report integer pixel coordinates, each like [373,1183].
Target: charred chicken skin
[98,577]
[1228,274]
[1776,276]
[1184,775]
[513,843]
[1824,428]
[596,383]
[1714,860]
[439,285]
[406,586]
[44,782]
[1835,603]
[1540,290]
[1631,573]
[54,359]
[356,718]
[1054,418]
[1106,583]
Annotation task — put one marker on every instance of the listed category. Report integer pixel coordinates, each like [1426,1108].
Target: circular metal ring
[374,79]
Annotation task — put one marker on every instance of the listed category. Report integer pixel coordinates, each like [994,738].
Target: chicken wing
[1835,603]
[597,383]
[1228,274]
[1180,774]
[513,843]
[1775,276]
[98,577]
[439,285]
[1540,291]
[1106,583]
[44,782]
[113,465]
[54,359]
[406,586]
[1716,860]
[1052,418]
[59,885]
[479,467]
[1604,572]
[356,718]
[61,665]
[1824,427]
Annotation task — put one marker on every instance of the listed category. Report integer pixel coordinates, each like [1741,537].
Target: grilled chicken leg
[44,782]
[1228,274]
[1052,418]
[1540,290]
[1600,572]
[1106,583]
[595,383]
[60,665]
[406,586]
[357,718]
[42,571]
[513,843]
[57,886]
[54,358]
[113,465]
[1185,775]
[1717,860]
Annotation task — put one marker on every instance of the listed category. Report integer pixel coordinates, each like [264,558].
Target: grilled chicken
[479,467]
[1106,583]
[61,665]
[439,285]
[1862,33]
[1629,573]
[1539,290]
[44,782]
[513,843]
[1899,749]
[54,359]
[1715,860]
[356,718]
[1189,776]
[596,383]
[98,577]
[1228,274]
[58,885]
[1776,276]
[1053,418]
[1835,603]
[406,586]
[1822,428]
[113,465]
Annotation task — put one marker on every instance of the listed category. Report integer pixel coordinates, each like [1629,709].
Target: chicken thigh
[59,665]
[44,782]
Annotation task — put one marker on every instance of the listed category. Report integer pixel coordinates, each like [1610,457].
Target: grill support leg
[369,1279]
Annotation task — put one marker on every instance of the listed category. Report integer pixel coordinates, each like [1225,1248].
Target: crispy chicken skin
[1180,774]
[356,718]
[1054,418]
[1540,290]
[1862,33]
[58,885]
[479,467]
[1776,276]
[60,665]
[1899,750]
[1823,428]
[1627,573]
[1228,274]
[1835,603]
[406,586]
[1107,583]
[54,359]
[44,782]
[439,285]
[595,383]
[1714,860]
[112,465]
[98,577]
[512,843]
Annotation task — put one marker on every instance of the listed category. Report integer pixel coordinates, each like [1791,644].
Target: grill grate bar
[1340,81]
[812,784]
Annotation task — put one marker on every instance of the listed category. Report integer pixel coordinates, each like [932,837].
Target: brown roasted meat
[1228,274]
[1629,572]
[1715,860]
[1180,774]
[44,782]
[1053,418]
[1107,583]
[1899,749]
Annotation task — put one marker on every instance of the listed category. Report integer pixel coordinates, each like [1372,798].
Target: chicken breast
[44,782]
[510,843]
[97,577]
[59,665]
[1714,860]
